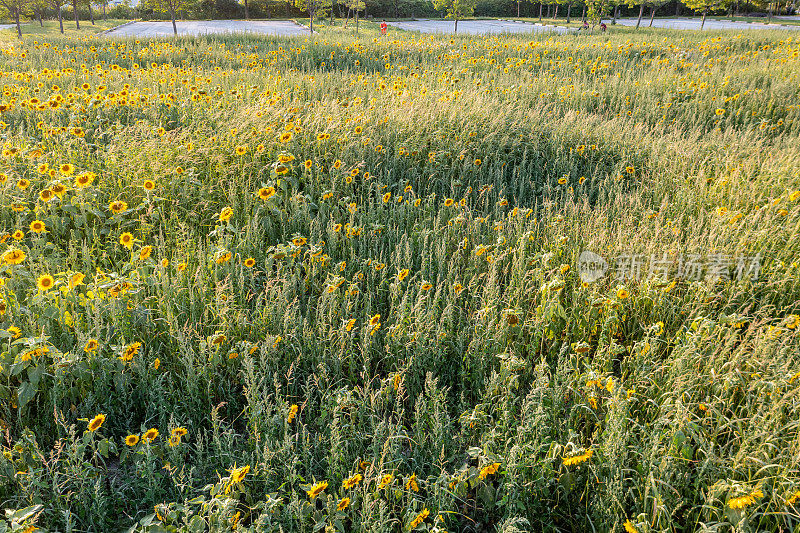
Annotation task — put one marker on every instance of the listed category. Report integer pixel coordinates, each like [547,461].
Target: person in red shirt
[384,27]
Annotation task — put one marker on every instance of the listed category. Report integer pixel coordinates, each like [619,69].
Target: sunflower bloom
[96,422]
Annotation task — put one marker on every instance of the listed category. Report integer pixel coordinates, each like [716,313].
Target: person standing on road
[384,27]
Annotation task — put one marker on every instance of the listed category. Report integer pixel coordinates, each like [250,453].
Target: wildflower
[249,262]
[448,202]
[343,503]
[426,287]
[420,518]
[791,500]
[156,363]
[292,413]
[385,480]
[150,435]
[37,226]
[149,185]
[67,169]
[411,484]
[387,197]
[144,252]
[350,323]
[403,274]
[45,195]
[578,459]
[132,440]
[223,257]
[18,235]
[719,112]
[117,206]
[316,489]
[299,241]
[477,162]
[130,351]
[241,149]
[83,180]
[180,432]
[352,481]
[488,470]
[96,422]
[75,280]
[226,214]
[746,500]
[45,282]
[792,321]
[629,527]
[236,477]
[23,184]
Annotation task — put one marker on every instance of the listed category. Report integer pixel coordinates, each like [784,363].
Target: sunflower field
[336,283]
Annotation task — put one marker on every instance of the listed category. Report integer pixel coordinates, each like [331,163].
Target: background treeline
[227,9]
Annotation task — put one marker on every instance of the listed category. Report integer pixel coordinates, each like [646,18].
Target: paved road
[204,27]
[694,24]
[475,27]
[7,26]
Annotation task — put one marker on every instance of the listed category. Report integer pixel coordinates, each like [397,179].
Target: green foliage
[332,284]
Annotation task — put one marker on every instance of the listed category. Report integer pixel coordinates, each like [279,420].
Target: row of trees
[591,10]
[17,9]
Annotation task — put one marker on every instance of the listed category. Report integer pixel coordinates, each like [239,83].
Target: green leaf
[23,514]
[25,393]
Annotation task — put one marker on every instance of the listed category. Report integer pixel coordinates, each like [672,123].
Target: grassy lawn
[51,28]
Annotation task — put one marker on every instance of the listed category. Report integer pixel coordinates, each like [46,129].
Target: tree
[39,6]
[169,6]
[455,9]
[14,9]
[705,6]
[57,5]
[75,11]
[355,6]
[596,10]
[104,5]
[312,7]
[654,5]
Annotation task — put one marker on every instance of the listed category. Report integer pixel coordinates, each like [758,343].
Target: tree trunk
[60,20]
[347,19]
[677,9]
[652,15]
[39,16]
[75,10]
[246,11]
[356,20]
[16,18]
[540,11]
[518,8]
[583,15]
[639,20]
[91,13]
[616,15]
[311,21]
[703,23]
[104,12]
[556,15]
[569,9]
[396,9]
[455,30]
[172,14]
[769,17]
